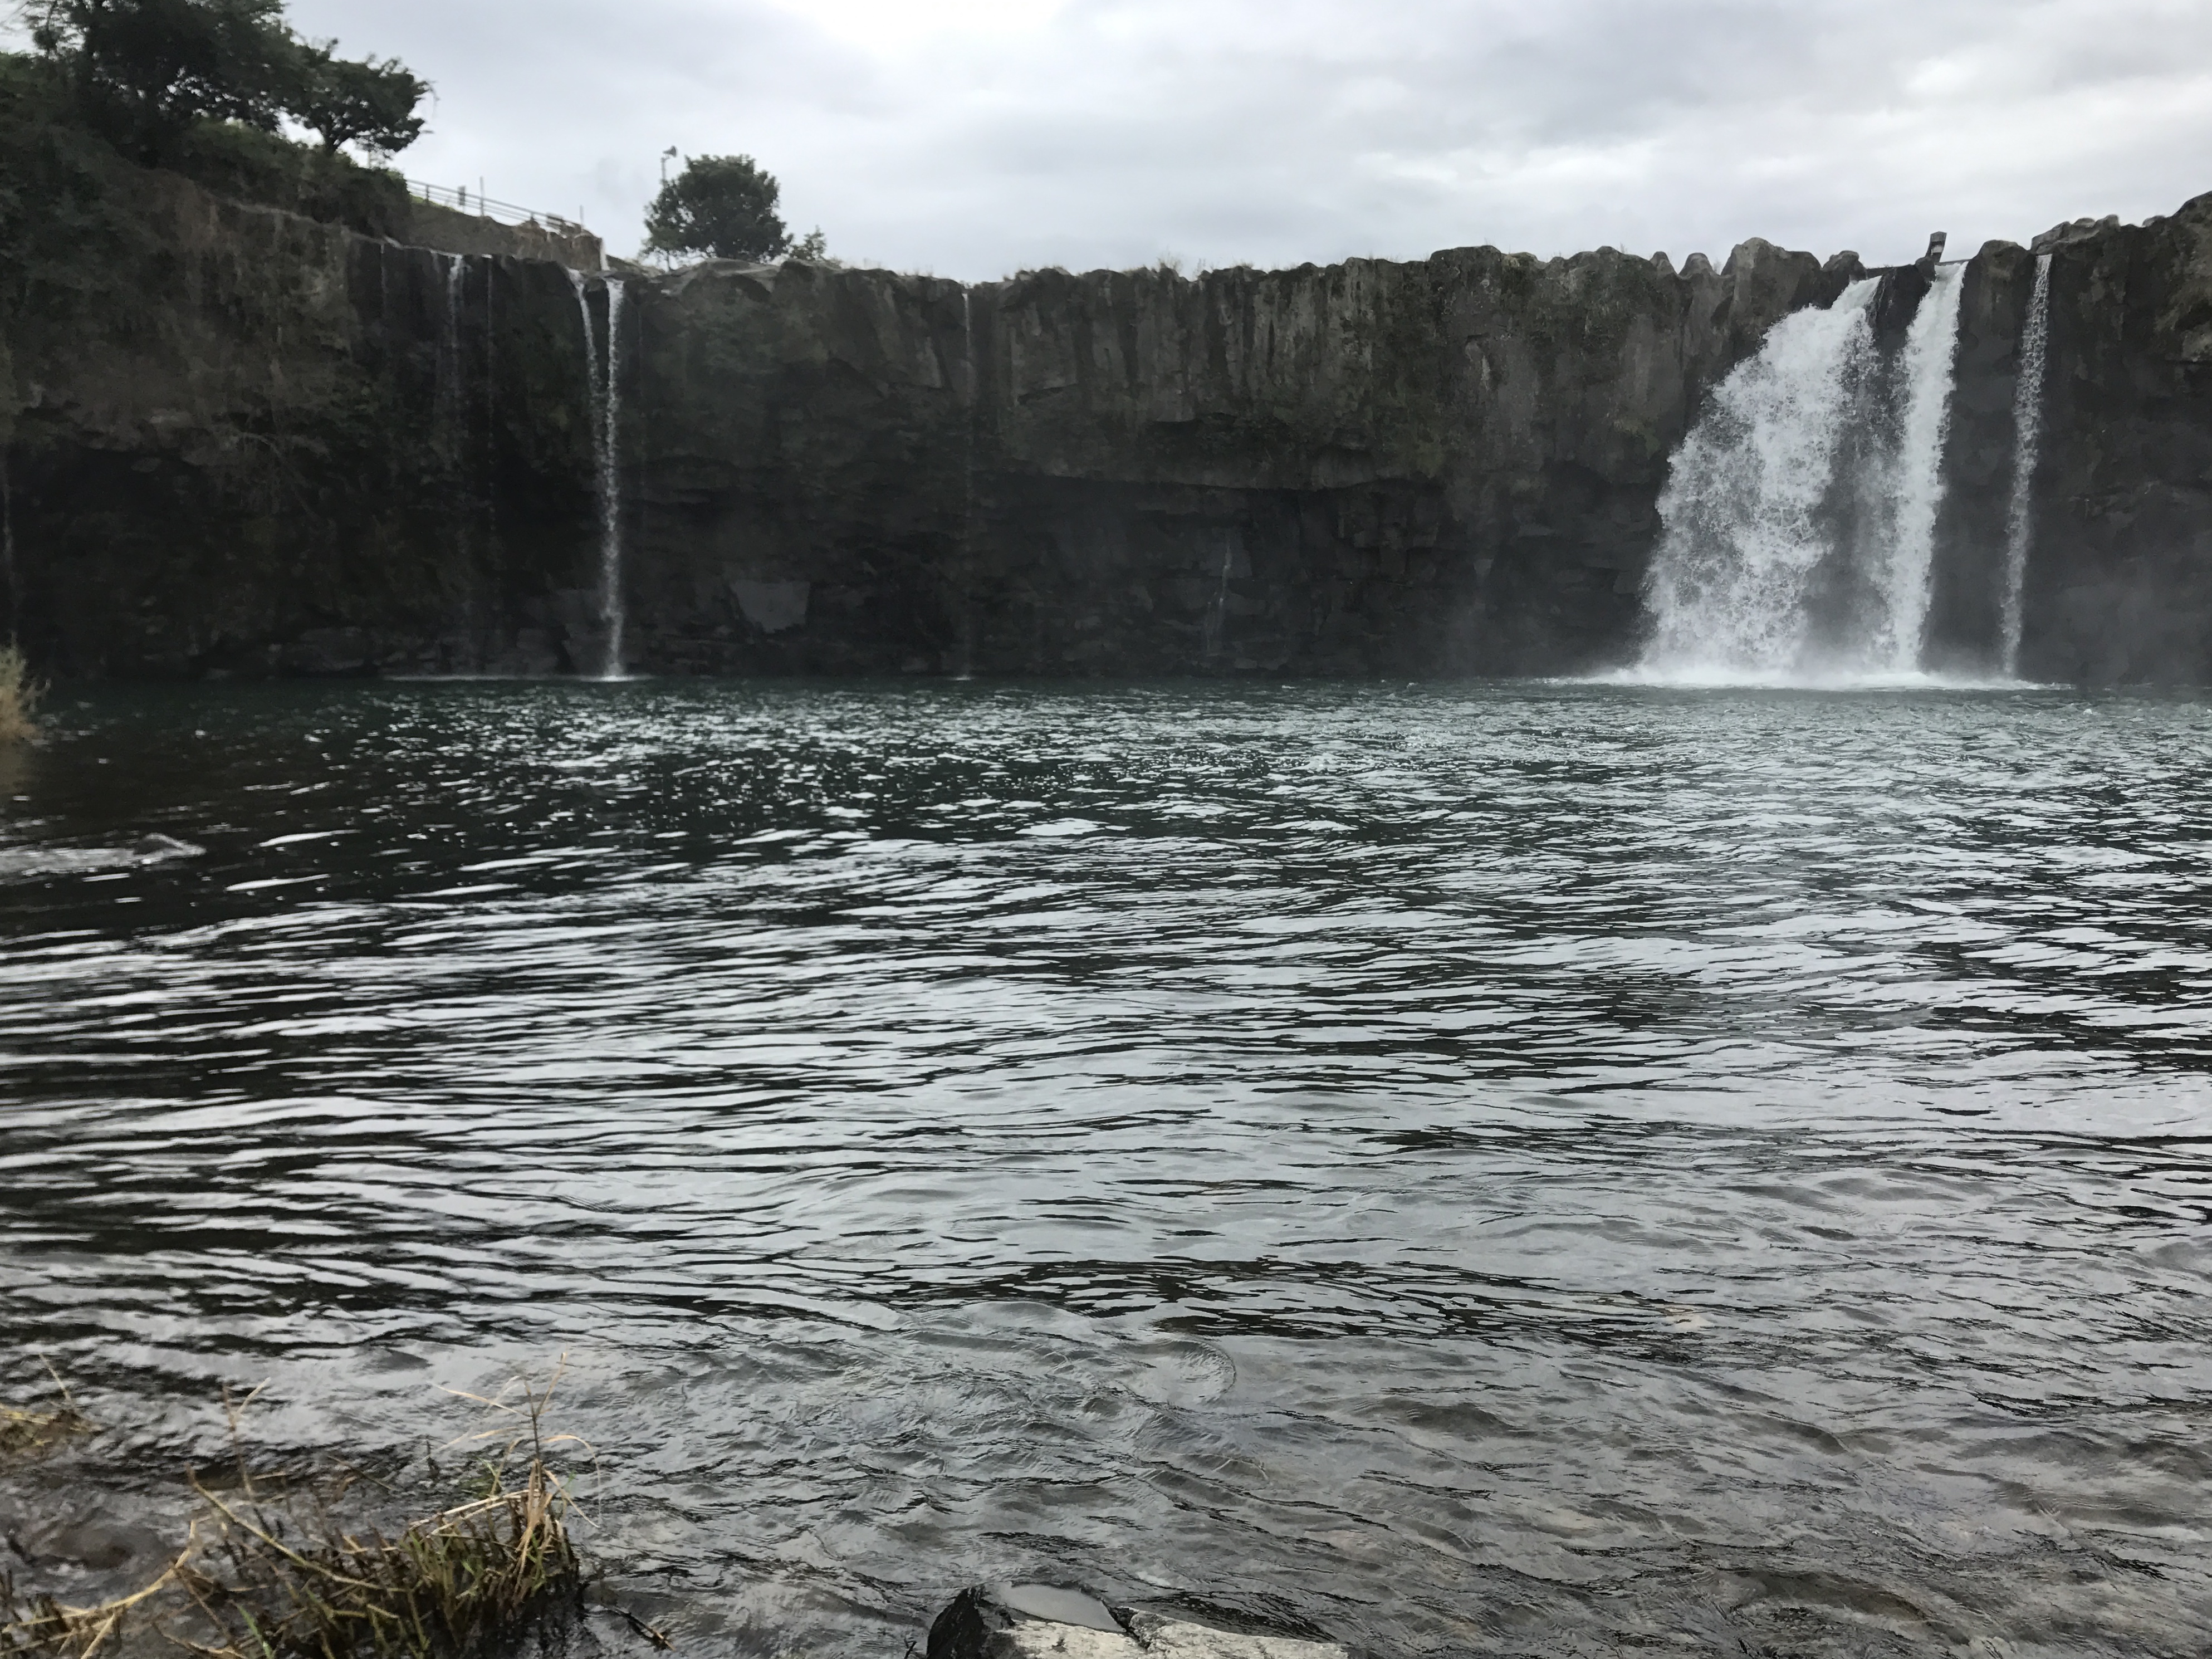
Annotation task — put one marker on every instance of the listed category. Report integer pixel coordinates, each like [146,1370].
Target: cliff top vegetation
[205,89]
[144,73]
[724,207]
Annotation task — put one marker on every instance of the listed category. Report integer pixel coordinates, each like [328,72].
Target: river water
[1546,1170]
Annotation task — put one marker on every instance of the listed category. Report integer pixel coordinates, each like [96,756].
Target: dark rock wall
[256,444]
[2119,582]
[1448,466]
[1966,623]
[249,443]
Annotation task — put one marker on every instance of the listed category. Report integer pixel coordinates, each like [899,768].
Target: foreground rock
[1042,1621]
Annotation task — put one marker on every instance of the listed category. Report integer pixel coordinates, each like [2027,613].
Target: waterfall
[1741,508]
[967,559]
[1931,350]
[605,389]
[2027,445]
[449,353]
[1799,515]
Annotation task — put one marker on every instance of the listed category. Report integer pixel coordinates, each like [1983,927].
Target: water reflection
[1517,1169]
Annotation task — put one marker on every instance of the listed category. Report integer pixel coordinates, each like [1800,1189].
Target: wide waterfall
[1799,518]
[603,377]
[2027,446]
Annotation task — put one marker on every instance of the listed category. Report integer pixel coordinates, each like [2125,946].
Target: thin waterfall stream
[2027,446]
[1928,370]
[603,377]
[450,399]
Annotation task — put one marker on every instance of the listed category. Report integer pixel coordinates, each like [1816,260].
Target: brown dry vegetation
[19,695]
[269,1571]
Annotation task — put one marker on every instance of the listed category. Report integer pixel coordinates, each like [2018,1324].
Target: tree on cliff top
[722,206]
[365,103]
[145,72]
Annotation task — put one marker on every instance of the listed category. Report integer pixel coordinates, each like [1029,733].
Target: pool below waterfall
[1518,1169]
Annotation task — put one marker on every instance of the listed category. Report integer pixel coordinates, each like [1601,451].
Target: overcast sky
[975,137]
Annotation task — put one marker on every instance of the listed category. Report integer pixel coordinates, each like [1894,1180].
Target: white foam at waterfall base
[1741,539]
[1750,513]
[1709,676]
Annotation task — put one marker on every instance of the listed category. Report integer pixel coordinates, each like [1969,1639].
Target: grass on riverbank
[271,1573]
[456,1583]
[19,695]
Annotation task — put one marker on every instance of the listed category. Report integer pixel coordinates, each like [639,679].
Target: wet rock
[89,1543]
[1028,1621]
[1040,1622]
[327,653]
[1897,302]
[1169,1637]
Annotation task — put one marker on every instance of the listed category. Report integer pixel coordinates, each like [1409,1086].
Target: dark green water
[1527,1169]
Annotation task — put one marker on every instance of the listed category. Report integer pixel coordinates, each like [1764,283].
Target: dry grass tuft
[20,696]
[456,1583]
[276,1576]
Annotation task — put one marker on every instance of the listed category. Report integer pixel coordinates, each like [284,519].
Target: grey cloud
[1313,129]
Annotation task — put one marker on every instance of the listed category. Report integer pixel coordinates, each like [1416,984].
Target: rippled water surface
[1520,1170]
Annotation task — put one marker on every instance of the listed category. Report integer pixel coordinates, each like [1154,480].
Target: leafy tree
[144,71]
[365,103]
[723,206]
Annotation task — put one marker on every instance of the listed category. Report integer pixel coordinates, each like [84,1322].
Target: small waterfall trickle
[1799,516]
[2027,446]
[966,665]
[449,352]
[1217,612]
[603,375]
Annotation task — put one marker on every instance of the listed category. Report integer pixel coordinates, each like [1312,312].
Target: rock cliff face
[2119,585]
[252,444]
[1448,467]
[2119,574]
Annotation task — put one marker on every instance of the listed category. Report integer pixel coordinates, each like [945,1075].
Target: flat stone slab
[1045,1621]
[1176,1638]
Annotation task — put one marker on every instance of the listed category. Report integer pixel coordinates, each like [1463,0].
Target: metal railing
[464,200]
